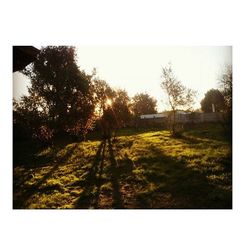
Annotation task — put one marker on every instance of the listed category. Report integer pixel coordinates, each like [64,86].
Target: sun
[109,102]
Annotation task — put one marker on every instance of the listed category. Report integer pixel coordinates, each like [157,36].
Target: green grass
[141,169]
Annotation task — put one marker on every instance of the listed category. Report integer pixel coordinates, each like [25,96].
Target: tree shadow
[90,184]
[115,177]
[154,180]
[28,192]
[93,180]
[25,153]
[205,131]
[187,139]
[165,182]
[177,186]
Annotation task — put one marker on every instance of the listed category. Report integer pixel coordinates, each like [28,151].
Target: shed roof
[23,55]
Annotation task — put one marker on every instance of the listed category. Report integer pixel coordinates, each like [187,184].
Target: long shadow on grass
[177,186]
[26,155]
[199,143]
[91,183]
[213,132]
[25,152]
[28,192]
[93,180]
[115,177]
[159,181]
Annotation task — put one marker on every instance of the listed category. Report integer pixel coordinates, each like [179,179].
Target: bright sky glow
[139,68]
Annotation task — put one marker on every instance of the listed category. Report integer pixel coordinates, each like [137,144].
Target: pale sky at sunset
[139,68]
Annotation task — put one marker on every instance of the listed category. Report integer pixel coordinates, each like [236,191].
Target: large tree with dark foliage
[121,108]
[64,88]
[143,104]
[111,103]
[215,97]
[103,95]
[30,119]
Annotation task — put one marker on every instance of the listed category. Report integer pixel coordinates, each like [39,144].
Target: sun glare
[109,102]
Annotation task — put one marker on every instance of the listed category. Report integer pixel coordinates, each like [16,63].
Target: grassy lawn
[141,169]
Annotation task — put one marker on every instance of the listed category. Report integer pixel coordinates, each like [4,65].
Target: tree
[103,95]
[109,122]
[30,120]
[179,96]
[143,104]
[67,91]
[226,86]
[215,97]
[120,106]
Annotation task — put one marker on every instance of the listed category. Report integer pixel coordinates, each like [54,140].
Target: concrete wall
[206,117]
[183,118]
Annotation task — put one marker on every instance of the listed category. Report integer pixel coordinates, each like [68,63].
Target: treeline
[64,100]
[182,98]
[220,100]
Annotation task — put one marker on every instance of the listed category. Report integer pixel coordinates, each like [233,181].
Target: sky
[138,69]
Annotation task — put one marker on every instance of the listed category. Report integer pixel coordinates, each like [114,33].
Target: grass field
[141,169]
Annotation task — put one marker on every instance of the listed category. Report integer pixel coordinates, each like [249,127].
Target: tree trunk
[173,126]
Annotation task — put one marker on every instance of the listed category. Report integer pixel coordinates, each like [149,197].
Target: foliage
[112,106]
[143,104]
[213,96]
[30,119]
[104,96]
[226,86]
[121,107]
[179,96]
[102,93]
[109,122]
[66,91]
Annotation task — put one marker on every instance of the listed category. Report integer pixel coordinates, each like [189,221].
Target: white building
[153,116]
